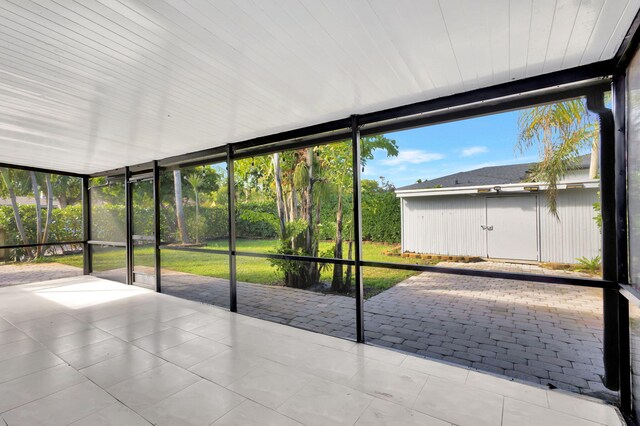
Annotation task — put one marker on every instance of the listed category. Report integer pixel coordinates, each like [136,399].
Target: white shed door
[512,228]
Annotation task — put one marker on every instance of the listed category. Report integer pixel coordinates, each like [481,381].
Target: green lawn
[249,269]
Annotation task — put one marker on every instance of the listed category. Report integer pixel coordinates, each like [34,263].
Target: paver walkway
[25,273]
[547,334]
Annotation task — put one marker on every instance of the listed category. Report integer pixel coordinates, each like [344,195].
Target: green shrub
[380,216]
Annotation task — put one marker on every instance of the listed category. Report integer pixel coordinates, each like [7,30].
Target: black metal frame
[85,218]
[357,228]
[231,205]
[456,107]
[156,222]
[596,104]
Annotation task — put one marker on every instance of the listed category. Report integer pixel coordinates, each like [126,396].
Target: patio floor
[90,351]
[545,334]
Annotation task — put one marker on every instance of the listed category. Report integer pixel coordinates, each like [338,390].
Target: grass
[249,269]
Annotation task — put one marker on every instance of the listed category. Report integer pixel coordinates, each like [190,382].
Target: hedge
[380,221]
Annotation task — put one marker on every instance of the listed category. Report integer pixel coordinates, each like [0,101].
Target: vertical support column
[625,395]
[622,247]
[357,227]
[595,103]
[156,228]
[231,194]
[128,200]
[86,227]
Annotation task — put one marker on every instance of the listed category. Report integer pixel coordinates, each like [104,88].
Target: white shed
[493,212]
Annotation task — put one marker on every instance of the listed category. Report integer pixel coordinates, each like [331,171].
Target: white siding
[576,233]
[444,225]
[451,225]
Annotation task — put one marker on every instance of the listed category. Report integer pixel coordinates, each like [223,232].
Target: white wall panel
[576,234]
[444,225]
[92,85]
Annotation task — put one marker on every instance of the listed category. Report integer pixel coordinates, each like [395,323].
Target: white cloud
[412,156]
[473,150]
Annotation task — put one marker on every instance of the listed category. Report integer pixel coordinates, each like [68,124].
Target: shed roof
[493,175]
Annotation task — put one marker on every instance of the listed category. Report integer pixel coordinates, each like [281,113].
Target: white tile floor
[85,351]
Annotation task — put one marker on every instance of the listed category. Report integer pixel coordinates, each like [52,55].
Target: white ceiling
[90,85]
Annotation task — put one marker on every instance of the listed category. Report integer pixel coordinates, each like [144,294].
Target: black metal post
[231,194]
[128,200]
[622,247]
[611,354]
[357,228]
[156,231]
[625,395]
[86,227]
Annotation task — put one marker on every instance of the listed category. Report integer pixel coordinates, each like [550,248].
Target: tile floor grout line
[48,395]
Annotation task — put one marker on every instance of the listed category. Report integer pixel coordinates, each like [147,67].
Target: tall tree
[337,164]
[36,196]
[182,225]
[196,180]
[9,186]
[561,130]
[47,226]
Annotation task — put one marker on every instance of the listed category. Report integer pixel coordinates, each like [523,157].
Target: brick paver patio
[24,273]
[547,334]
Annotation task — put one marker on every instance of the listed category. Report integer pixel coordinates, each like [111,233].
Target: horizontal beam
[59,243]
[493,106]
[295,257]
[540,82]
[107,243]
[194,249]
[41,170]
[316,129]
[628,46]
[544,279]
[196,158]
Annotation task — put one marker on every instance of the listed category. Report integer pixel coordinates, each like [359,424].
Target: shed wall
[444,225]
[576,234]
[451,225]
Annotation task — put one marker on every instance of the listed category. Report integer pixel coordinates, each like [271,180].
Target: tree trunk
[62,200]
[45,233]
[275,158]
[197,217]
[16,209]
[36,196]
[313,274]
[182,225]
[337,283]
[347,278]
[594,164]
[309,205]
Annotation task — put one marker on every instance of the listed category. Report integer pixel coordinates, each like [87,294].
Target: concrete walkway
[547,334]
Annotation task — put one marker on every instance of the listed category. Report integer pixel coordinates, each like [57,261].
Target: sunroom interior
[188,216]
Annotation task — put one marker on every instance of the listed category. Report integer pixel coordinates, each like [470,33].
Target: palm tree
[562,130]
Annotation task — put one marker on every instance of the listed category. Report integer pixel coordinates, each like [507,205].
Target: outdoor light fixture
[575,185]
[497,189]
[484,190]
[531,188]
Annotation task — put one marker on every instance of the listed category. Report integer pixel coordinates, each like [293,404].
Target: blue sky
[443,149]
